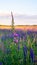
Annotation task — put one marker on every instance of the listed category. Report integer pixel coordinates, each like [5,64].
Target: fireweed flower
[15,40]
[15,34]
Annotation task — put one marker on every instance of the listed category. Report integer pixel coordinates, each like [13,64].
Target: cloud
[19,19]
[26,20]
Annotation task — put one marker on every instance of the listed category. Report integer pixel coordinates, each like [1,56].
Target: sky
[24,11]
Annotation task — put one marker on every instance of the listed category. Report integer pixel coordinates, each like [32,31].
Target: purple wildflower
[3,38]
[15,34]
[25,54]
[31,54]
[25,50]
[15,40]
[0,63]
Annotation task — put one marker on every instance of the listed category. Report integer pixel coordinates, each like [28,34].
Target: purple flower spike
[25,50]
[15,34]
[15,40]
[31,54]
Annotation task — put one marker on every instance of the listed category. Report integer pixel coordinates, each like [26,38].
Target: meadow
[18,48]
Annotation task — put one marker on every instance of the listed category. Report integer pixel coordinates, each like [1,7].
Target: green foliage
[13,56]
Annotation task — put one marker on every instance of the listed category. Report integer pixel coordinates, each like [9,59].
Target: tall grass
[18,53]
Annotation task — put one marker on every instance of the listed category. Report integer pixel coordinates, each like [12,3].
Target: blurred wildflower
[1,63]
[15,40]
[15,34]
[25,54]
[3,38]
[32,54]
[25,50]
